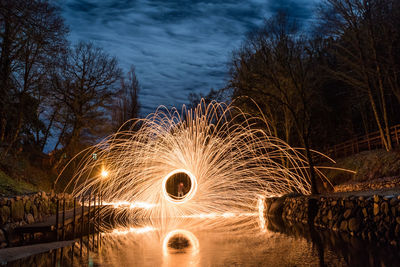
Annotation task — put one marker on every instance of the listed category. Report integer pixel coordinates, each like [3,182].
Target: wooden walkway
[16,253]
[50,223]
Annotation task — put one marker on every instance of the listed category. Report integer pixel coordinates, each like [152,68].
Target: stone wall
[20,210]
[382,183]
[375,218]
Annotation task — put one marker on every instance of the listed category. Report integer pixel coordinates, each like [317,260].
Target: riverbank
[370,215]
[27,209]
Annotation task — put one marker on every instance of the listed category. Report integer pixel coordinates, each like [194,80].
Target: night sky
[177,47]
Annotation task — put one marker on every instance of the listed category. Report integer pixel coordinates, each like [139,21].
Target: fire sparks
[230,157]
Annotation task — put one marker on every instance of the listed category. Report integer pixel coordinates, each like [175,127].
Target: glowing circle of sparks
[231,158]
[194,242]
[189,195]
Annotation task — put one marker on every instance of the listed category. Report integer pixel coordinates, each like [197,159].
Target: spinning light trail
[229,157]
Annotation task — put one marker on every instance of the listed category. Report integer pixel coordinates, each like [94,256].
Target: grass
[10,186]
[368,165]
[22,175]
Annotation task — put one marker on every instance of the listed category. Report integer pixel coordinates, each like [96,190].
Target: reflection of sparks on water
[130,205]
[134,230]
[261,215]
[230,157]
[222,215]
[194,242]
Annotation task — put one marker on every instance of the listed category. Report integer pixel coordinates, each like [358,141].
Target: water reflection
[196,242]
[233,241]
[180,248]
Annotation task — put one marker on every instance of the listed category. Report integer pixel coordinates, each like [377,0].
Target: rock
[376,198]
[343,226]
[385,208]
[364,211]
[354,224]
[53,208]
[4,214]
[347,213]
[330,215]
[334,203]
[398,220]
[371,235]
[397,230]
[29,218]
[393,201]
[393,209]
[35,212]
[2,236]
[28,205]
[349,205]
[376,209]
[44,196]
[17,210]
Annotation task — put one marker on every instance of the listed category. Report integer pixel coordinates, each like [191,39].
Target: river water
[239,241]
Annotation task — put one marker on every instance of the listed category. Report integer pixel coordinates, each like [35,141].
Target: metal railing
[370,141]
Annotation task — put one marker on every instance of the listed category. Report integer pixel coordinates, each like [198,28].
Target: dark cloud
[177,46]
[294,8]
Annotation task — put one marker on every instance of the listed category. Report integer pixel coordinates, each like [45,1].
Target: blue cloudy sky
[177,46]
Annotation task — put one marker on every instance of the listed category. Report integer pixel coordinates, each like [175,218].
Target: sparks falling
[230,157]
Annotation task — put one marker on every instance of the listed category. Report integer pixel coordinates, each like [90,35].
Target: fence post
[94,220]
[57,211]
[63,220]
[82,221]
[89,215]
[88,233]
[74,222]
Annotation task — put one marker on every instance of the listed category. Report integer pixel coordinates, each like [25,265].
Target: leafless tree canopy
[55,96]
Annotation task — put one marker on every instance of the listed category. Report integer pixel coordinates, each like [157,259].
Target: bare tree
[275,67]
[32,34]
[85,86]
[126,104]
[365,31]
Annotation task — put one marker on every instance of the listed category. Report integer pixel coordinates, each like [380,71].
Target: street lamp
[104,173]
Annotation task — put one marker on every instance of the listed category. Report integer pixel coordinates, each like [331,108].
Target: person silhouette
[181,189]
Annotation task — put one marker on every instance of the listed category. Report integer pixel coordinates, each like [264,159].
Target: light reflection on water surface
[194,242]
[232,241]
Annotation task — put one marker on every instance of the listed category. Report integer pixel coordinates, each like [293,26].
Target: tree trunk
[378,121]
[15,136]
[313,180]
[3,128]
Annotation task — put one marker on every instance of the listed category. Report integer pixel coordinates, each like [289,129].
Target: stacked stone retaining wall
[20,210]
[375,218]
